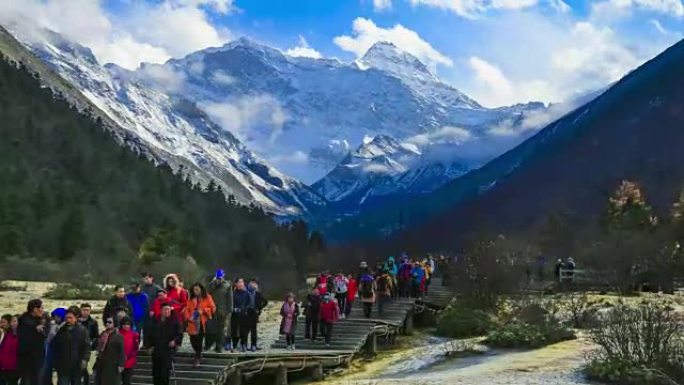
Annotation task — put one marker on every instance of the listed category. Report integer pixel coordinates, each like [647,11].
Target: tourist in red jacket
[131,344]
[176,295]
[330,313]
[157,305]
[352,289]
[9,350]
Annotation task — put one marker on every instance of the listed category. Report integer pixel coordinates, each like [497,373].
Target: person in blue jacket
[393,269]
[140,304]
[417,275]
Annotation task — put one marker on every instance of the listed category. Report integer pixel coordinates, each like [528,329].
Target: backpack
[366,289]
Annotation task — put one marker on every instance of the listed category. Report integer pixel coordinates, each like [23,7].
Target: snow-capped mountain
[304,115]
[172,127]
[384,166]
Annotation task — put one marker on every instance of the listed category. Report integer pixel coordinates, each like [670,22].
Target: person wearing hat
[131,344]
[221,291]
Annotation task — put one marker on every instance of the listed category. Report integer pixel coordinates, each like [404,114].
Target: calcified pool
[427,360]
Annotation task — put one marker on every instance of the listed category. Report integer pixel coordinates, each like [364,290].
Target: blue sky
[497,51]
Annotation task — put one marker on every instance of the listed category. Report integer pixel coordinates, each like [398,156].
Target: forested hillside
[69,191]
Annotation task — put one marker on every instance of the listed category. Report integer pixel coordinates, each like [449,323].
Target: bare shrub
[636,342]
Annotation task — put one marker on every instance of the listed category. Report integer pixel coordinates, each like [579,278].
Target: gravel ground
[558,364]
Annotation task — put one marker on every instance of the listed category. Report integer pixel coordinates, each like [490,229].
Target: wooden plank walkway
[353,336]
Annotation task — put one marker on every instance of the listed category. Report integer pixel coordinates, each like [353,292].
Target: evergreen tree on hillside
[69,188]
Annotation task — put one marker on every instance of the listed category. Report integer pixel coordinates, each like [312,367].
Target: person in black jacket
[257,303]
[239,325]
[117,302]
[111,355]
[167,336]
[91,327]
[312,311]
[32,333]
[151,289]
[71,348]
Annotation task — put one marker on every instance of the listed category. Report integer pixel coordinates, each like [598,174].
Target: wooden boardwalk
[352,337]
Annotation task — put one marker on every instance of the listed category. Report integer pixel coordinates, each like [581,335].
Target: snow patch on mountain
[147,103]
[320,109]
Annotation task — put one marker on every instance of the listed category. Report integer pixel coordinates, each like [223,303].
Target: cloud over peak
[365,33]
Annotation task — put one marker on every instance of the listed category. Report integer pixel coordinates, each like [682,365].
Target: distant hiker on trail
[417,280]
[352,290]
[312,310]
[363,269]
[393,269]
[288,325]
[9,350]
[341,288]
[557,269]
[330,313]
[131,346]
[198,312]
[257,303]
[367,290]
[116,302]
[428,276]
[70,350]
[322,284]
[167,337]
[404,278]
[150,289]
[239,323]
[140,306]
[32,333]
[384,291]
[221,291]
[570,266]
[111,355]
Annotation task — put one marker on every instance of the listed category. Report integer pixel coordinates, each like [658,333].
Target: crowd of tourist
[223,315]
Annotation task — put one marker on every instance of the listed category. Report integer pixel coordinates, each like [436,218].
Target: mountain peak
[388,57]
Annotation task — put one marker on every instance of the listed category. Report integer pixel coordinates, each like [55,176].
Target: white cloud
[659,27]
[162,77]
[260,115]
[297,157]
[445,134]
[142,33]
[223,78]
[220,6]
[560,6]
[597,54]
[473,8]
[493,88]
[366,33]
[197,31]
[382,5]
[611,9]
[303,50]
